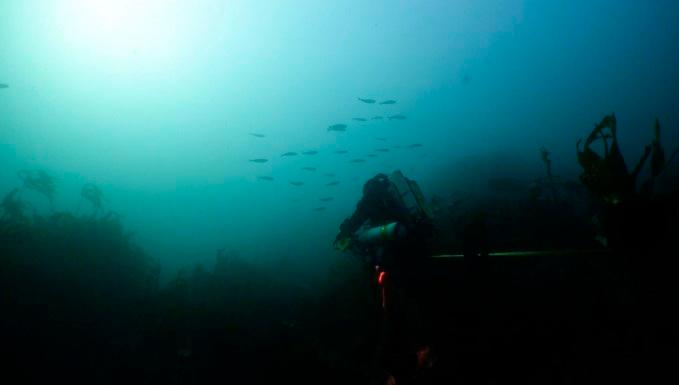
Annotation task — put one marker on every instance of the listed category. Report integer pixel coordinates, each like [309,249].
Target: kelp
[93,194]
[607,176]
[12,207]
[544,155]
[631,214]
[40,182]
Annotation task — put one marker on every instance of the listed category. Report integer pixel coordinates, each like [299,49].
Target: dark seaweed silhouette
[40,182]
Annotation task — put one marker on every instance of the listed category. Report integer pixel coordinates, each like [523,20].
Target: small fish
[257,135]
[415,145]
[319,208]
[333,183]
[338,127]
[369,101]
[341,152]
[259,160]
[329,174]
[312,152]
[382,150]
[371,155]
[290,153]
[266,178]
[381,139]
[327,199]
[309,168]
[3,85]
[396,146]
[376,118]
[397,117]
[359,119]
[295,183]
[357,160]
[388,102]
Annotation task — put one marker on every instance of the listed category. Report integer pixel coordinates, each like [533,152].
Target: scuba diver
[389,231]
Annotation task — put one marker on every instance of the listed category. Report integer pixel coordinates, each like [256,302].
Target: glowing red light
[380,277]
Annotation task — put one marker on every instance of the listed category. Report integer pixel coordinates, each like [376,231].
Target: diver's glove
[342,244]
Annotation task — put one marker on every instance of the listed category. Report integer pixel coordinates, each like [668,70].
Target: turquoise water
[156,102]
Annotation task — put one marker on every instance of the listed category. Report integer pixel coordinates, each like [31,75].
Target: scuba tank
[381,234]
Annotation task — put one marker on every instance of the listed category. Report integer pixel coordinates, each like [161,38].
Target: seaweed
[40,182]
[12,207]
[92,194]
[544,155]
[607,177]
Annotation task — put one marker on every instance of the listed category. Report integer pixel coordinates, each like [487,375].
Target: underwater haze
[174,176]
[181,111]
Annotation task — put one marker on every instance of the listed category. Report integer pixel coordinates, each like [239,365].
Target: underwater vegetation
[87,297]
[40,182]
[633,216]
[12,209]
[80,287]
[92,194]
[607,174]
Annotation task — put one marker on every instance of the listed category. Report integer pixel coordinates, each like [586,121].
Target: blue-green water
[185,114]
[155,101]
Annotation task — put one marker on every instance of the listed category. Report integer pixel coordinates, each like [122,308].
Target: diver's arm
[354,222]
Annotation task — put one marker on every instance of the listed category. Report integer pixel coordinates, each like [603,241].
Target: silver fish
[415,145]
[309,168]
[333,183]
[266,178]
[291,153]
[358,160]
[338,127]
[257,135]
[369,101]
[312,152]
[376,118]
[295,183]
[359,119]
[390,101]
[327,199]
[397,117]
[3,85]
[341,152]
[259,160]
[382,150]
[319,208]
